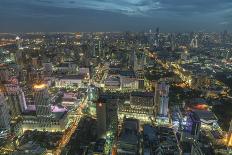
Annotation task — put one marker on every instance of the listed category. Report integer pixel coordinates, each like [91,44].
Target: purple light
[58,109]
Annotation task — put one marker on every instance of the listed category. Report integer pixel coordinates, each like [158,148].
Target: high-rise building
[18,55]
[107,117]
[4,114]
[161,97]
[15,99]
[42,102]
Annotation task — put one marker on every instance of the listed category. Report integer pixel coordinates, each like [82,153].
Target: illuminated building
[112,82]
[15,99]
[70,81]
[107,115]
[162,99]
[48,118]
[140,106]
[128,80]
[93,93]
[67,67]
[200,120]
[140,77]
[19,52]
[4,114]
[42,102]
[193,126]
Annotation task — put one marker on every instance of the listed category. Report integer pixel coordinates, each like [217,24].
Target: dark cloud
[115,15]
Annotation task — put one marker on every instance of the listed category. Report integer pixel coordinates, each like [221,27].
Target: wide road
[69,131]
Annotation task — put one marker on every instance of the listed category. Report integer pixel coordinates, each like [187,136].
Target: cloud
[128,7]
[143,7]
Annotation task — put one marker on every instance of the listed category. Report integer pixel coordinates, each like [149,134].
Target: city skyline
[94,15]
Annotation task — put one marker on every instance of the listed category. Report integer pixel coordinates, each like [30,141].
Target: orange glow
[230,140]
[39,86]
[201,106]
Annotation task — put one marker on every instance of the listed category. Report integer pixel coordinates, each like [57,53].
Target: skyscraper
[107,116]
[15,99]
[18,54]
[4,114]
[42,102]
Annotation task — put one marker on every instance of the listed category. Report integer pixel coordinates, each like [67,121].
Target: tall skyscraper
[4,114]
[18,54]
[107,117]
[42,102]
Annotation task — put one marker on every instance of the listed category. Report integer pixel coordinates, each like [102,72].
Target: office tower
[161,97]
[107,116]
[42,102]
[15,99]
[4,114]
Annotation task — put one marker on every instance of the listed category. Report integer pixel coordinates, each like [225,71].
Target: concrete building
[15,99]
[128,80]
[70,81]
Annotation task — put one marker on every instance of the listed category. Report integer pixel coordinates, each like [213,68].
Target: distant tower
[172,40]
[19,42]
[42,102]
[18,54]
[4,114]
[157,38]
[194,42]
[99,49]
[134,60]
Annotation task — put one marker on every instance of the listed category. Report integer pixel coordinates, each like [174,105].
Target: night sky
[115,15]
